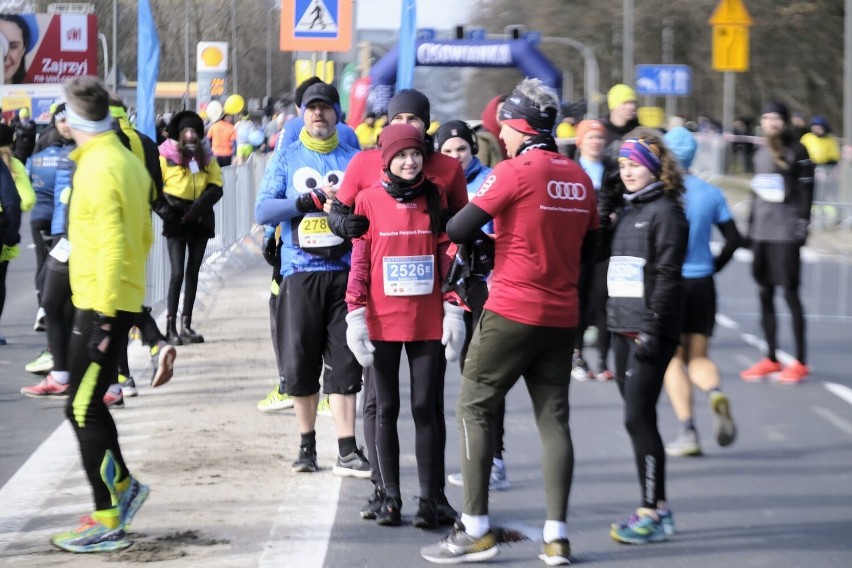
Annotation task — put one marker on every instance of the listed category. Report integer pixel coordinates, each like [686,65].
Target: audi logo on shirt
[567,190]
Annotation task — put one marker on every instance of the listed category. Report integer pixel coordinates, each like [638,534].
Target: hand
[358,338]
[100,338]
[454,331]
[800,231]
[8,253]
[269,248]
[311,201]
[647,348]
[355,225]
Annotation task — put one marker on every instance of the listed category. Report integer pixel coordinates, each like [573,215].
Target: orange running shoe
[794,373]
[760,370]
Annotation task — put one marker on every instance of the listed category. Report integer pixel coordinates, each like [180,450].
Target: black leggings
[640,384]
[184,265]
[424,360]
[770,322]
[150,333]
[58,311]
[40,229]
[85,408]
[4,267]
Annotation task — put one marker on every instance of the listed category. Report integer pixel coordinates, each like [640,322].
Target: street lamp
[269,50]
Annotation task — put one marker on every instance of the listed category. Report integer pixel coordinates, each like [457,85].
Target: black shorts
[776,264]
[699,305]
[312,334]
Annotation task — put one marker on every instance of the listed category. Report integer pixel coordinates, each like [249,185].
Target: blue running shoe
[666,519]
[640,528]
[130,500]
[91,536]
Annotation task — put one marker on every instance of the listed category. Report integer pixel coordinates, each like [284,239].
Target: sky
[385,14]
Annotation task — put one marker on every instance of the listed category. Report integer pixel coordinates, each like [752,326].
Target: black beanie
[453,129]
[777,107]
[410,100]
[185,119]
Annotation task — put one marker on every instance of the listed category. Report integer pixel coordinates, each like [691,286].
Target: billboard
[48,48]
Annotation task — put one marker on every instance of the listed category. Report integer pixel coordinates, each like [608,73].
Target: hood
[682,144]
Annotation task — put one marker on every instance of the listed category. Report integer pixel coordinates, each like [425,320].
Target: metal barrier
[234,222]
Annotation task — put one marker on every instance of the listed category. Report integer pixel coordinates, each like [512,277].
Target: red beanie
[397,137]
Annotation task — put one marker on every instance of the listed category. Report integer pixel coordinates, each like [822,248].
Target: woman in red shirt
[395,301]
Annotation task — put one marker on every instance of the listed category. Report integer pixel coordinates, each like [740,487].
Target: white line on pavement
[836,420]
[842,391]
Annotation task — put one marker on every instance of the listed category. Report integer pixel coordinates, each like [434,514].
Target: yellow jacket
[23,184]
[179,181]
[109,227]
[821,149]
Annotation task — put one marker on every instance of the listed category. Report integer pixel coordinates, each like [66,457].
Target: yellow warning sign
[730,21]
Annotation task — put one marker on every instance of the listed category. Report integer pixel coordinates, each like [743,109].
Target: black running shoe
[427,514]
[373,504]
[307,460]
[446,514]
[390,514]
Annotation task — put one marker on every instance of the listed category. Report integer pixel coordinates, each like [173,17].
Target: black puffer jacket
[652,227]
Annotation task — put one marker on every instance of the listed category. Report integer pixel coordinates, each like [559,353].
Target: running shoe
[91,536]
[427,514]
[723,422]
[41,365]
[446,514]
[793,374]
[497,481]
[2,340]
[459,547]
[580,371]
[307,460]
[163,358]
[374,503]
[390,513]
[324,407]
[275,401]
[686,444]
[640,528]
[130,500]
[353,465]
[760,370]
[556,553]
[39,321]
[128,386]
[604,375]
[114,400]
[666,519]
[47,387]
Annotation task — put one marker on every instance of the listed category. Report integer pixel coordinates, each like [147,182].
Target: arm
[24,185]
[803,197]
[110,236]
[671,234]
[732,243]
[358,288]
[466,223]
[271,207]
[457,188]
[10,202]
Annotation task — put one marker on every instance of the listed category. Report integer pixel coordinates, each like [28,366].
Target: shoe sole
[455,481]
[628,540]
[165,366]
[34,395]
[723,423]
[305,469]
[341,471]
[691,453]
[277,407]
[554,560]
[129,393]
[39,370]
[110,546]
[389,522]
[421,523]
[481,556]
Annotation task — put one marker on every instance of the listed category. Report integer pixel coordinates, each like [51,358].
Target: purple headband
[640,152]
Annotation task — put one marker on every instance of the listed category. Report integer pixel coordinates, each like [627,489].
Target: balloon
[234,104]
[256,138]
[214,110]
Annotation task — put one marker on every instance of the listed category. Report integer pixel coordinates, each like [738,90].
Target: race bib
[62,250]
[626,277]
[314,232]
[769,187]
[193,166]
[409,275]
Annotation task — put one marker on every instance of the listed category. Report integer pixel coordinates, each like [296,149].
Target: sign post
[730,21]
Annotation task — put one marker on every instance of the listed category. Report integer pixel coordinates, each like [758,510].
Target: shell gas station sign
[211,66]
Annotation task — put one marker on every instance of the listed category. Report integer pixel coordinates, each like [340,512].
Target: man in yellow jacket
[109,232]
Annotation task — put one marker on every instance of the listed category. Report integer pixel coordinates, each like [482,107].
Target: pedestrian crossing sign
[316,25]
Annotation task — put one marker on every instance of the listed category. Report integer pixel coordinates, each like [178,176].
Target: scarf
[647,193]
[320,146]
[472,170]
[404,190]
[540,142]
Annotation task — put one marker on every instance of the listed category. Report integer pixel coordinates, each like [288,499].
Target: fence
[234,222]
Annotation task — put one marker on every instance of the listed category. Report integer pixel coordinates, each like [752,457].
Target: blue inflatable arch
[464,53]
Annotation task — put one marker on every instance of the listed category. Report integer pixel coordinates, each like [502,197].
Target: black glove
[355,225]
[446,215]
[800,231]
[648,348]
[311,201]
[270,250]
[100,338]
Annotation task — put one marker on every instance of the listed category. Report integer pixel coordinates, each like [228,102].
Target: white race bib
[314,232]
[193,166]
[769,187]
[626,277]
[408,275]
[62,250]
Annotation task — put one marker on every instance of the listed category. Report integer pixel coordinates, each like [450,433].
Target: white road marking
[837,421]
[842,391]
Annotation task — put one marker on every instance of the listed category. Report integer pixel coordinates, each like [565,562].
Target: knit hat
[682,144]
[620,94]
[777,107]
[820,121]
[185,119]
[410,100]
[524,115]
[397,137]
[586,126]
[6,135]
[57,110]
[455,129]
[24,113]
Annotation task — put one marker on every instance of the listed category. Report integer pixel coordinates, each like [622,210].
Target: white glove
[358,338]
[454,331]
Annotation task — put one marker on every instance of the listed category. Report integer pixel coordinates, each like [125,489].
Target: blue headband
[640,152]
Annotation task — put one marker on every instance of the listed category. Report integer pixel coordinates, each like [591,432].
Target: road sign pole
[728,93]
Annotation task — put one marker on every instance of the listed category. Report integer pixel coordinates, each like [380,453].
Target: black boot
[187,334]
[172,336]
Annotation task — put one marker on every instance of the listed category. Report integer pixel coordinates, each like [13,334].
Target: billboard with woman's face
[48,48]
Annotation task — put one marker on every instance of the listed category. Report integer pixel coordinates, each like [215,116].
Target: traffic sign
[663,80]
[730,21]
[316,25]
[730,13]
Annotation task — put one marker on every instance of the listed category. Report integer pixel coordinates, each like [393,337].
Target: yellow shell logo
[212,56]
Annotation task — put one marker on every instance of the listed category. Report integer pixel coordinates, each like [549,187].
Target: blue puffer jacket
[62,191]
[41,167]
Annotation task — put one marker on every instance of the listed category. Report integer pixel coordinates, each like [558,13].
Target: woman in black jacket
[644,314]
